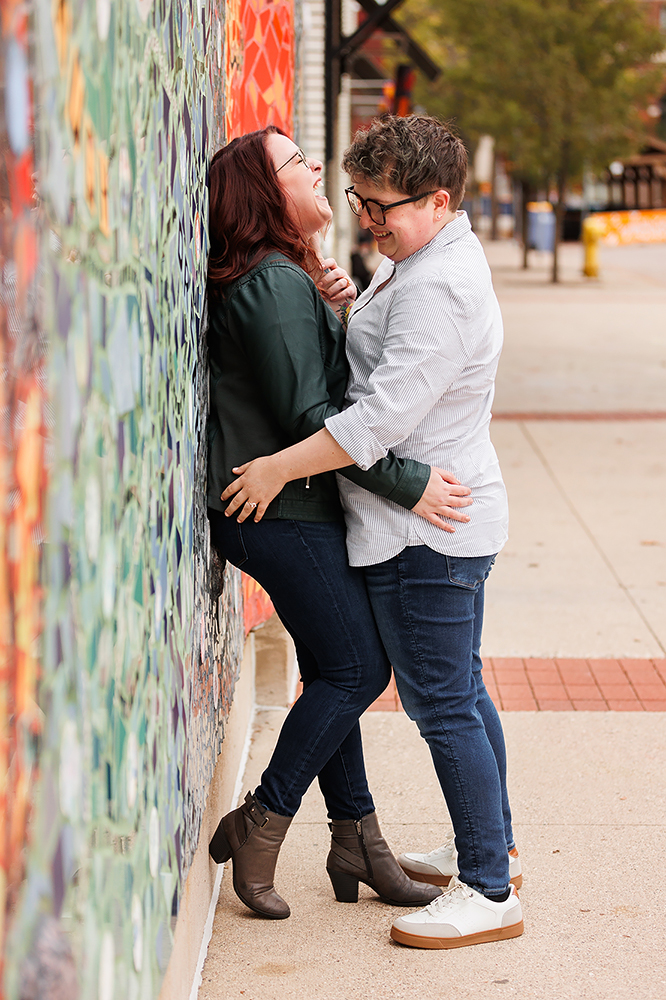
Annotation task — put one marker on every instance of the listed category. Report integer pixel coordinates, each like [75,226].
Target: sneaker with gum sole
[458,918]
[439,866]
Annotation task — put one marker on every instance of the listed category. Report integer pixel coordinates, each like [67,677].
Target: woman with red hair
[277,371]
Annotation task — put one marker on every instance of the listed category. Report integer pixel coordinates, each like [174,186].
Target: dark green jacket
[277,370]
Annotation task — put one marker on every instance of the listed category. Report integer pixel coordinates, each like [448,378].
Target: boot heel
[219,847]
[345,886]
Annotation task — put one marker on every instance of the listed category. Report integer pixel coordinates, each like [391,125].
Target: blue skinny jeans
[323,603]
[429,609]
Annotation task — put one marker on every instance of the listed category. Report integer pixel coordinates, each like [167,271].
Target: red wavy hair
[248,213]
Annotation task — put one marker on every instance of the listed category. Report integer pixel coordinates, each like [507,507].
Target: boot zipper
[366,856]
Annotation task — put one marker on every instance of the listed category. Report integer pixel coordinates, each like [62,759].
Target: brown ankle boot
[252,836]
[359,853]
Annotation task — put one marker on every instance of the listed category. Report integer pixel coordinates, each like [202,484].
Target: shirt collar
[453,230]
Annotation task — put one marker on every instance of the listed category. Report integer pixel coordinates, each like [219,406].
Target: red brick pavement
[565,685]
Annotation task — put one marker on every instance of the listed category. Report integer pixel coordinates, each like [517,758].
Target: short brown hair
[410,154]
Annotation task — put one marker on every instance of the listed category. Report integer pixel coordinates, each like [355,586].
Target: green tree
[559,84]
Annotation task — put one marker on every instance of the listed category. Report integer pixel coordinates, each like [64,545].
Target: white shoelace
[456,892]
[448,845]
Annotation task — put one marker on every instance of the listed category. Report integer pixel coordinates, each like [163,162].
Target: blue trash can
[540,225]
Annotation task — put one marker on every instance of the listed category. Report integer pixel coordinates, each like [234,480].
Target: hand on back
[442,498]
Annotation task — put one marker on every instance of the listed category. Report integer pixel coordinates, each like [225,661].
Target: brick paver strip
[609,671]
[575,671]
[624,415]
[549,692]
[510,675]
[526,704]
[561,685]
[650,692]
[508,662]
[584,692]
[660,667]
[640,668]
[555,706]
[618,692]
[566,685]
[541,667]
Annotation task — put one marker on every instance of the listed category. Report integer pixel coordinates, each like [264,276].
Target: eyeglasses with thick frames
[375,209]
[301,156]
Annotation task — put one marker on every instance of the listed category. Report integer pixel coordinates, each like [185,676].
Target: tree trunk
[559,222]
[562,177]
[525,194]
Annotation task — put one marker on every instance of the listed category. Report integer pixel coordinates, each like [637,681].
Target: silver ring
[250,504]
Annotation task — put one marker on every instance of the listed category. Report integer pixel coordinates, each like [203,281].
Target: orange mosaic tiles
[259,65]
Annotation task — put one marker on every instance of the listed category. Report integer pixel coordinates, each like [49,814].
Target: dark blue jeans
[429,609]
[323,603]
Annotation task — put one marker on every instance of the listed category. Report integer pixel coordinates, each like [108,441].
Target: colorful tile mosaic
[108,758]
[22,473]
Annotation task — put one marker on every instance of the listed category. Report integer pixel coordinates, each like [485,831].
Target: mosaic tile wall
[22,474]
[113,719]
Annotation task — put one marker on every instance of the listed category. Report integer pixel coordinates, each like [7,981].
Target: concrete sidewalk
[588,798]
[584,571]
[582,346]
[583,576]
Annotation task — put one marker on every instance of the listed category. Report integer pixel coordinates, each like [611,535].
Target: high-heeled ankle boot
[359,853]
[252,836]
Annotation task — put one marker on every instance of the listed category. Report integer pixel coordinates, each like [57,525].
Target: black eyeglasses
[375,208]
[301,156]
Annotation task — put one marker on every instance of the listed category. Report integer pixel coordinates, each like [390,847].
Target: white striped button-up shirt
[423,352]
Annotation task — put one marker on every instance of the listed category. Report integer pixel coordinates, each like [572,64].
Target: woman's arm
[336,288]
[272,317]
[261,480]
[333,282]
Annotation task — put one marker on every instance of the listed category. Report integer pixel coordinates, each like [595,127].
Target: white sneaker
[460,917]
[439,866]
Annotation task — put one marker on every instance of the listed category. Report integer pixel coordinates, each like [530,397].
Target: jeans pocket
[234,548]
[469,573]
